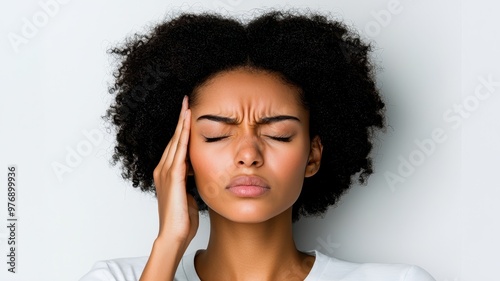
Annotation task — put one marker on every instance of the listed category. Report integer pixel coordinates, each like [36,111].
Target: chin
[248,213]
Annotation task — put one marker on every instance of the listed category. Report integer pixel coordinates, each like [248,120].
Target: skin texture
[249,148]
[251,237]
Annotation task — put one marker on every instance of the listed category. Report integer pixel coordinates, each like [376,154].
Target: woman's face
[249,145]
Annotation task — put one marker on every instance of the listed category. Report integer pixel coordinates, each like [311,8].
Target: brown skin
[251,237]
[176,208]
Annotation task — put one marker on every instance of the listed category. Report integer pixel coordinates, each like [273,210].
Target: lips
[248,186]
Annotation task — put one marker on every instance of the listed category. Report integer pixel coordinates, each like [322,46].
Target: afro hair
[327,61]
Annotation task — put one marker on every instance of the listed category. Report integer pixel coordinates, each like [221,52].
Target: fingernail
[184,99]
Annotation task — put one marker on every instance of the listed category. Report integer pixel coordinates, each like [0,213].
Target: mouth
[248,186]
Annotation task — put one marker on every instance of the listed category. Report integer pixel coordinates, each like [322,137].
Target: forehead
[248,90]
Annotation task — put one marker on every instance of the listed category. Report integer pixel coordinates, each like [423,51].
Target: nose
[249,153]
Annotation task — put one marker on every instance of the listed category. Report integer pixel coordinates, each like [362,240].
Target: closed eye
[282,139]
[215,139]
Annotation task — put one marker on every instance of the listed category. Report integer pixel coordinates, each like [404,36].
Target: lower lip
[248,190]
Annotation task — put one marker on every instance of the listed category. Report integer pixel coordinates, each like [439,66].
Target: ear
[314,160]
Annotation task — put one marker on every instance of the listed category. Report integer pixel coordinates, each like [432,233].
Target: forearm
[163,261]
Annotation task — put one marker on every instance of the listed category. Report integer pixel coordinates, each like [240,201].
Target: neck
[252,251]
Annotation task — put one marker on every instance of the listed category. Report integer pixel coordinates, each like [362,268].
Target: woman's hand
[177,210]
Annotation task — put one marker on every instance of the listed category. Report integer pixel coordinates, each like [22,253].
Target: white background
[441,214]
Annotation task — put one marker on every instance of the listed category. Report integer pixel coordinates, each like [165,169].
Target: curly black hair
[324,58]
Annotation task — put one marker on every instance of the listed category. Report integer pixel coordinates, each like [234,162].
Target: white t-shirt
[325,268]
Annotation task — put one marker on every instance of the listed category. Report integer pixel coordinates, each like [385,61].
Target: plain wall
[432,201]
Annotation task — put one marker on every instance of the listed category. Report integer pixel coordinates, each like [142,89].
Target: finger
[175,139]
[179,159]
[181,117]
[176,133]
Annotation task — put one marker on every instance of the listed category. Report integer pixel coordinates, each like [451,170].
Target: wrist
[170,242]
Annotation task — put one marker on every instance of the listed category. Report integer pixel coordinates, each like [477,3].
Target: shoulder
[330,268]
[123,269]
[130,269]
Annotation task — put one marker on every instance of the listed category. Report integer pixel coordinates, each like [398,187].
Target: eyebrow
[262,121]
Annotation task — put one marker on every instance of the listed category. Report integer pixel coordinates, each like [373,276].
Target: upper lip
[247,180]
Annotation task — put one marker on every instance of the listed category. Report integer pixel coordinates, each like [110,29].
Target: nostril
[254,163]
[249,154]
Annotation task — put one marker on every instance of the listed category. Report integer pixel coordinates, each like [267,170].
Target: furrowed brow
[274,119]
[262,121]
[221,119]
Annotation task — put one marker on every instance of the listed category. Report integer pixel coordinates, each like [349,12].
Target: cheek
[209,171]
[290,166]
[200,160]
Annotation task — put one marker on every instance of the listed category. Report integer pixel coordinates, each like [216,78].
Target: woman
[276,119]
